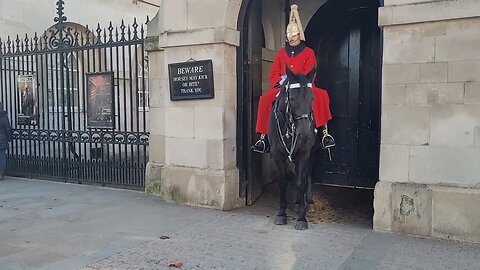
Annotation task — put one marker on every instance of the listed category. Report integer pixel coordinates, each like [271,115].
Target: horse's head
[299,98]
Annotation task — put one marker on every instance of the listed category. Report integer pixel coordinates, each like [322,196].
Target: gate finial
[61,17]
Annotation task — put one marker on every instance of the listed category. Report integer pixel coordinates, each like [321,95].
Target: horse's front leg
[301,167]
[281,177]
[310,203]
[281,218]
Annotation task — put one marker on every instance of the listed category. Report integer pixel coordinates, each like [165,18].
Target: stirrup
[327,139]
[261,146]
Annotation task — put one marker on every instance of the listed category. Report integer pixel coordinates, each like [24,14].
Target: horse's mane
[299,78]
[280,104]
[302,79]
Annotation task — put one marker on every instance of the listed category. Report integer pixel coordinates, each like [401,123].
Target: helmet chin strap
[293,44]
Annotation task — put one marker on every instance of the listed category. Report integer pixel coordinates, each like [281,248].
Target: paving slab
[49,225]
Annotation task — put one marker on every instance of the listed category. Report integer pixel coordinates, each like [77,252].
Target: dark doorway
[249,90]
[347,41]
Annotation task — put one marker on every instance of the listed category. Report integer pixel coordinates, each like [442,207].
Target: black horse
[292,137]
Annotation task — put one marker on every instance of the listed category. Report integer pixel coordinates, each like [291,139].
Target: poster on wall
[100,103]
[27,86]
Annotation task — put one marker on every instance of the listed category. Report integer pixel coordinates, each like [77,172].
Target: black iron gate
[78,102]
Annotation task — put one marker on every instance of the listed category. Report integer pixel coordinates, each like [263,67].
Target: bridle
[292,119]
[296,117]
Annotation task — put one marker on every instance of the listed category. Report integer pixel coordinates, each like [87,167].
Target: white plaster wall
[29,16]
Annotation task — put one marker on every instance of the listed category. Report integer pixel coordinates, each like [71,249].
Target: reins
[290,126]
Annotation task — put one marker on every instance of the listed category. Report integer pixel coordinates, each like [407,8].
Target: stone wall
[192,143]
[430,147]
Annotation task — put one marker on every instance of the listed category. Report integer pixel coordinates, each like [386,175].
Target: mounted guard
[299,59]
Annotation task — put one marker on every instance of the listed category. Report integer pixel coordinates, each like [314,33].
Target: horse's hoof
[311,208]
[280,220]
[301,225]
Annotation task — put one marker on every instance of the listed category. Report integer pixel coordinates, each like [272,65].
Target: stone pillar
[430,143]
[192,143]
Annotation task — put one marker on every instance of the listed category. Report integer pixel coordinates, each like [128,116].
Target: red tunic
[301,62]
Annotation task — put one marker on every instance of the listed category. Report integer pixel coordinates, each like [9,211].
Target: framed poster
[191,80]
[100,101]
[27,86]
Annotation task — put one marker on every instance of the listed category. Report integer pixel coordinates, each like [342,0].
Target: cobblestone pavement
[339,238]
[244,241]
[45,225]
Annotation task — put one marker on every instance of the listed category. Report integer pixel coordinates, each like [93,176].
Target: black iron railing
[48,97]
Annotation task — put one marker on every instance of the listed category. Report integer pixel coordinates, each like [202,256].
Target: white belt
[297,85]
[294,85]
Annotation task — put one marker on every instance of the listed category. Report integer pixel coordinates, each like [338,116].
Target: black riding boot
[262,145]
[327,140]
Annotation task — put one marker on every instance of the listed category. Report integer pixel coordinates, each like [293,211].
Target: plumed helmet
[294,26]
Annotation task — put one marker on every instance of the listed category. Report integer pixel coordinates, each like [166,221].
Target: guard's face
[294,40]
